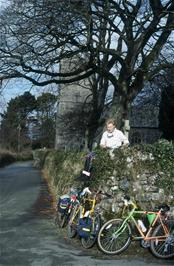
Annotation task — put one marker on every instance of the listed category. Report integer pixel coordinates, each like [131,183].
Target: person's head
[110,125]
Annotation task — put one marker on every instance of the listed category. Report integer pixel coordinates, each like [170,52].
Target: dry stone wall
[146,174]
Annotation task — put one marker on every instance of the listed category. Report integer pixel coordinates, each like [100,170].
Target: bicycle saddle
[163,207]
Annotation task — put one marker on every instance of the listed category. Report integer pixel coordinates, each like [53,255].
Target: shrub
[6,157]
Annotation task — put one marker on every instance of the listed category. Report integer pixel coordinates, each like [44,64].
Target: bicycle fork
[119,231]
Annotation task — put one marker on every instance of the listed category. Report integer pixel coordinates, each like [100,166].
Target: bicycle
[116,235]
[63,211]
[86,208]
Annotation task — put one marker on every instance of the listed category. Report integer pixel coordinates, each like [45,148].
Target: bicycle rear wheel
[114,239]
[90,241]
[163,248]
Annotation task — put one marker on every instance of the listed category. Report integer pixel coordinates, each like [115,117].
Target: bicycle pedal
[145,244]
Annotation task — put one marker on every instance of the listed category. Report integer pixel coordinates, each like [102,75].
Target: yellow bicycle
[85,219]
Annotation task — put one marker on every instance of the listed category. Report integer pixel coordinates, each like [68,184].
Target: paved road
[28,236]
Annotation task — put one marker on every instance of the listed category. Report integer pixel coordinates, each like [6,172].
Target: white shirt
[113,140]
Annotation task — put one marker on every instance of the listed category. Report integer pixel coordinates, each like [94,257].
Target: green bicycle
[116,235]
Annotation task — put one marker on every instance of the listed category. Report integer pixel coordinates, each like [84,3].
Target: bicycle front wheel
[72,224]
[60,219]
[90,241]
[114,237]
[163,248]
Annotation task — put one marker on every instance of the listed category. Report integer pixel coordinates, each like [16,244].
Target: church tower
[71,101]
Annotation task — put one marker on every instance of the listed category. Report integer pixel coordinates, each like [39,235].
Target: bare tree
[119,42]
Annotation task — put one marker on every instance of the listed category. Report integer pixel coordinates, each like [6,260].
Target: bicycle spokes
[163,247]
[169,242]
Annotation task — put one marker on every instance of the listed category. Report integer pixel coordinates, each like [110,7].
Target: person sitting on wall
[113,138]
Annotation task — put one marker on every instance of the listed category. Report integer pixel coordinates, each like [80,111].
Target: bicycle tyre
[163,249]
[72,225]
[91,240]
[112,244]
[60,220]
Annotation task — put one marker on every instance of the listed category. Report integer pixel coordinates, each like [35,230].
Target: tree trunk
[94,124]
[86,140]
[91,137]
[120,112]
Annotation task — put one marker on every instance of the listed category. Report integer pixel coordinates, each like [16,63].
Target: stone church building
[144,124]
[71,100]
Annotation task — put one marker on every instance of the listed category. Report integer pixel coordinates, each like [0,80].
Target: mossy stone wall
[144,172]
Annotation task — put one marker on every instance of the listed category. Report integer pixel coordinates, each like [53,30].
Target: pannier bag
[84,227]
[63,203]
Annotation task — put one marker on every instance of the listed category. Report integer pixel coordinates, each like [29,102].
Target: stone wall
[146,174]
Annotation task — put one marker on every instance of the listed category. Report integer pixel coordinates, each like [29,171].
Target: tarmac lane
[28,236]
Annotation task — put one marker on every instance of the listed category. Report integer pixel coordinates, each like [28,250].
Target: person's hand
[103,146]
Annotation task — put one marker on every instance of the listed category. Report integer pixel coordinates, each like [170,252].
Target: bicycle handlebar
[163,208]
[86,190]
[127,201]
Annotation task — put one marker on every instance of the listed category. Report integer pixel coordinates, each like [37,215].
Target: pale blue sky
[15,87]
[12,88]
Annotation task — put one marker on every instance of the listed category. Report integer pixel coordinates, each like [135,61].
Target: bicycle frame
[81,210]
[145,236]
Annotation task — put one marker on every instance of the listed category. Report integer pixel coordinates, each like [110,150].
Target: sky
[13,88]
[3,3]
[16,87]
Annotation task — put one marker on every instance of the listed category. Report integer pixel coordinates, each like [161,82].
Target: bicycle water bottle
[142,226]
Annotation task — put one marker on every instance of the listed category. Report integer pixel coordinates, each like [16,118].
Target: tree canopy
[29,121]
[46,119]
[118,43]
[14,123]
